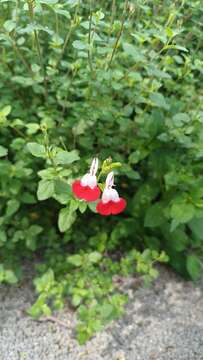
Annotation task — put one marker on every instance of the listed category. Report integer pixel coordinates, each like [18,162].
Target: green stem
[31,12]
[118,36]
[57,23]
[69,33]
[47,147]
[62,143]
[19,132]
[113,12]
[89,40]
[21,56]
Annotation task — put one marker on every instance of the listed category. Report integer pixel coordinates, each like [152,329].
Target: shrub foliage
[115,79]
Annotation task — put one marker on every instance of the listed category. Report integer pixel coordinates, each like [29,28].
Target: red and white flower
[110,203]
[87,188]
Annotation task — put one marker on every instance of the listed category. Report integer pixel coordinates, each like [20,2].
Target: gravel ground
[164,322]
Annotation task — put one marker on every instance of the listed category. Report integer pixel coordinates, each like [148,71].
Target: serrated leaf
[75,260]
[66,157]
[79,45]
[5,111]
[9,25]
[194,266]
[36,149]
[82,206]
[12,206]
[32,128]
[45,189]
[10,277]
[182,212]
[94,257]
[159,100]
[62,191]
[3,151]
[196,225]
[66,219]
[154,216]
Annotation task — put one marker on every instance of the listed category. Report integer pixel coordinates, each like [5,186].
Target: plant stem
[21,56]
[31,12]
[113,12]
[118,36]
[89,39]
[47,147]
[57,23]
[68,35]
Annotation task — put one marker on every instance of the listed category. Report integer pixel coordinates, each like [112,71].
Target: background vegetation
[112,79]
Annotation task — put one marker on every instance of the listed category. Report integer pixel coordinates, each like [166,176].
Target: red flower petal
[118,207]
[91,194]
[78,189]
[104,208]
[85,192]
[111,207]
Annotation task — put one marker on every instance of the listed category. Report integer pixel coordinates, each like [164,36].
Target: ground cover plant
[116,80]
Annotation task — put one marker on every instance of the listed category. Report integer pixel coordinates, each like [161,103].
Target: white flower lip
[94,166]
[110,194]
[110,180]
[90,179]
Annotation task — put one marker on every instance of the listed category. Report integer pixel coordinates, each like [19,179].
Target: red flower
[111,207]
[87,188]
[111,203]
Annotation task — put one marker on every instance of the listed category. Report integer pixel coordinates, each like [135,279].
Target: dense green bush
[115,79]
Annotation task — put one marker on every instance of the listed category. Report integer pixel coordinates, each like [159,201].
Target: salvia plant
[114,87]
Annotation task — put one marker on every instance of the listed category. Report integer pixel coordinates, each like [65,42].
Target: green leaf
[45,189]
[194,266]
[153,273]
[34,230]
[66,219]
[30,243]
[12,207]
[36,149]
[66,157]
[62,191]
[63,12]
[180,119]
[75,260]
[3,237]
[48,2]
[32,128]
[92,206]
[107,311]
[131,50]
[154,216]
[182,212]
[10,277]
[46,310]
[177,240]
[79,45]
[82,206]
[45,282]
[175,47]
[3,151]
[196,225]
[94,257]
[9,25]
[159,100]
[5,111]
[83,333]
[76,300]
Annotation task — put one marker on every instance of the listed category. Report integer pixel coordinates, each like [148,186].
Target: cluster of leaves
[112,79]
[88,281]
